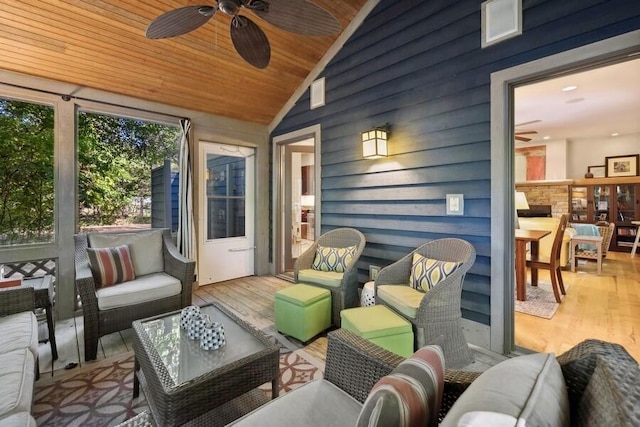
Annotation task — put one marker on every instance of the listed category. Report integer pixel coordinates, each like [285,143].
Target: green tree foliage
[26,168]
[115,158]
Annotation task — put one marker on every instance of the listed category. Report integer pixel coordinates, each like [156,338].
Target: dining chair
[550,262]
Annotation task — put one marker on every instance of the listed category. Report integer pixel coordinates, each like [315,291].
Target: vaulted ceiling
[101,44]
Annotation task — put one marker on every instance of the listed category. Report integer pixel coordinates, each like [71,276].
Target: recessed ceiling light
[569,88]
[546,137]
[615,134]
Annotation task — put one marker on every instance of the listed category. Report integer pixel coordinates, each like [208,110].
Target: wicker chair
[346,294]
[606,231]
[98,323]
[438,313]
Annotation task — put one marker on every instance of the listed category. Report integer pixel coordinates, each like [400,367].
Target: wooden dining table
[522,238]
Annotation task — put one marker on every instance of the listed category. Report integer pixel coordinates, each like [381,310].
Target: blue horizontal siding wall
[418,66]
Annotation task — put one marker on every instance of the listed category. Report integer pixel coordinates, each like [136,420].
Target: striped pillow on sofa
[411,395]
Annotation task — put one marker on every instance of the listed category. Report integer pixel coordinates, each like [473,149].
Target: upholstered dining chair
[551,262]
[425,287]
[162,280]
[324,264]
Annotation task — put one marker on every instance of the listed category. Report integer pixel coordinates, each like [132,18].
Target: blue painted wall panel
[418,66]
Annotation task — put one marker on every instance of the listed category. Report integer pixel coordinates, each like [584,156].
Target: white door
[227,195]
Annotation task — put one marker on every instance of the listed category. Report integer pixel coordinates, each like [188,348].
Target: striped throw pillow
[427,272]
[110,266]
[333,259]
[410,396]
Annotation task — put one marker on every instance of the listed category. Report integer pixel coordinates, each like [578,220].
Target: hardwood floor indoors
[605,307]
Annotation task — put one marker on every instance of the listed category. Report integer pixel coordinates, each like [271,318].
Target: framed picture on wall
[597,171]
[621,165]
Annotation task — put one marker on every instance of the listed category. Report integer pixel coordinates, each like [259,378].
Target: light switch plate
[455,204]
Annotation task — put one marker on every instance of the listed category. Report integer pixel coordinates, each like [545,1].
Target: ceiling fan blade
[527,123]
[523,139]
[526,132]
[179,21]
[250,41]
[300,17]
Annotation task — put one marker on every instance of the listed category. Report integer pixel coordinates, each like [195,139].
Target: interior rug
[101,394]
[540,300]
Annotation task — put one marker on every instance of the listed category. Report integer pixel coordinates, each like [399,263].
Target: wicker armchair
[345,295]
[438,312]
[100,322]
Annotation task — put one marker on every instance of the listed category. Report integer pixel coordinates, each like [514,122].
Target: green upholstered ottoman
[302,311]
[381,326]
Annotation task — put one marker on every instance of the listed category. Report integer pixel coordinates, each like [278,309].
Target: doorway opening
[296,156]
[503,83]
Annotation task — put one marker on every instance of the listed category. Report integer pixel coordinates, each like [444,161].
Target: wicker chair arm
[397,273]
[16,300]
[355,364]
[442,296]
[305,260]
[178,266]
[455,383]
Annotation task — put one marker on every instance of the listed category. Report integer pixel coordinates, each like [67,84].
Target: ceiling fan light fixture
[230,7]
[569,88]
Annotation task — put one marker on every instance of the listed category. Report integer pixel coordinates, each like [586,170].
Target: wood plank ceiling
[101,44]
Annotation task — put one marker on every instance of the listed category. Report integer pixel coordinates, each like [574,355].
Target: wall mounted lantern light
[374,143]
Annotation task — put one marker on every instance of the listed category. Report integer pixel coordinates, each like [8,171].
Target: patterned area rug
[540,300]
[101,394]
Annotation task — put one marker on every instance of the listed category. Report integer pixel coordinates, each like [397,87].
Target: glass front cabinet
[610,200]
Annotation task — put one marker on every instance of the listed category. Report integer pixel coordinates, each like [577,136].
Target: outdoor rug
[101,393]
[540,300]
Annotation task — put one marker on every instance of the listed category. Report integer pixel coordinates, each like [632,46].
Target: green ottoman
[381,326]
[302,311]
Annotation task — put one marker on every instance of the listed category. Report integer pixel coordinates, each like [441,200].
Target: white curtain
[186,229]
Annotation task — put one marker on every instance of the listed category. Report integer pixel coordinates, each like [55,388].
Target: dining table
[523,237]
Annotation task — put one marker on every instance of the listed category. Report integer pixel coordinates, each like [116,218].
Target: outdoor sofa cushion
[19,419]
[145,248]
[18,331]
[333,259]
[403,298]
[530,389]
[316,403]
[110,266]
[16,376]
[143,289]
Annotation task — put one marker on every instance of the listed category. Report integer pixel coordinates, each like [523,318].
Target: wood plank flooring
[605,307]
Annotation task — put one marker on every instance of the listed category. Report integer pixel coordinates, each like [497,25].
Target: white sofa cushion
[529,388]
[316,403]
[143,289]
[145,247]
[16,376]
[19,331]
[21,419]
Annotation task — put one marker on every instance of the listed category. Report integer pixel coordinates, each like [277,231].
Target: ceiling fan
[296,16]
[518,134]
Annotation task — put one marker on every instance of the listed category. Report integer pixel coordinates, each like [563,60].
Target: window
[27,202]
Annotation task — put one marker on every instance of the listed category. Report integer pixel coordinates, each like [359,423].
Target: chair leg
[90,348]
[554,283]
[560,281]
[534,276]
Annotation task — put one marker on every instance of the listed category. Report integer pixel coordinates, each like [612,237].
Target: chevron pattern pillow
[333,259]
[427,272]
[110,266]
[410,395]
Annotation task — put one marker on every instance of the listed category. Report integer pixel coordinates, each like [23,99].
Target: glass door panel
[601,206]
[579,204]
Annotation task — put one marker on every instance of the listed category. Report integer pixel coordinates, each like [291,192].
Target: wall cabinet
[614,200]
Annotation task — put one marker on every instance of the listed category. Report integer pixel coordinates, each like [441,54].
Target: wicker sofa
[163,282]
[18,356]
[602,382]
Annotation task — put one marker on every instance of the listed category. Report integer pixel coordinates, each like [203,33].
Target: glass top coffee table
[182,382]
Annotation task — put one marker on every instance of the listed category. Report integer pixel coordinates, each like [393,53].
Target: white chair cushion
[19,331]
[145,248]
[143,289]
[16,376]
